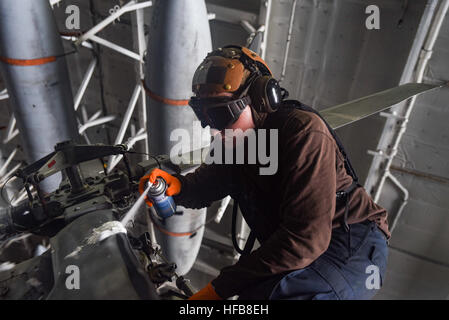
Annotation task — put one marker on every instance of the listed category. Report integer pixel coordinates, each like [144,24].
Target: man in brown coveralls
[321,234]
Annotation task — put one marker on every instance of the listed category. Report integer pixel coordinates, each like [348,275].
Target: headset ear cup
[257,93]
[265,94]
[273,94]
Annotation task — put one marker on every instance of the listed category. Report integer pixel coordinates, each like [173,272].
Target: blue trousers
[353,267]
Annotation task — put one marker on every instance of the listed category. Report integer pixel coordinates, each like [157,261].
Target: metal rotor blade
[349,112]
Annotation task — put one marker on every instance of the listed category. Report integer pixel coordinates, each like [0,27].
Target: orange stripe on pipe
[172,102]
[169,233]
[27,62]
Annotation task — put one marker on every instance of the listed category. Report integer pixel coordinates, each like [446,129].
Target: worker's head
[232,86]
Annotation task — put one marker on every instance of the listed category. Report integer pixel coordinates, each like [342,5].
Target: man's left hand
[207,293]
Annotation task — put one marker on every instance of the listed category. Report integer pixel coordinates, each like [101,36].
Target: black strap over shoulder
[343,195]
[348,166]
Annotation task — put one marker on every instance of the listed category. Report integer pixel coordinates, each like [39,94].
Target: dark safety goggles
[218,112]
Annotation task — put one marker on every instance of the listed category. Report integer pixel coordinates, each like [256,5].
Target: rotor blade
[349,112]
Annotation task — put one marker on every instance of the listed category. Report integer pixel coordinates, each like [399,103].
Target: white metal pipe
[86,44]
[11,126]
[82,89]
[250,29]
[387,138]
[86,119]
[287,44]
[404,201]
[141,135]
[143,118]
[244,232]
[128,114]
[84,114]
[132,128]
[9,174]
[221,210]
[248,26]
[7,162]
[53,2]
[86,138]
[435,27]
[4,94]
[95,116]
[116,47]
[141,41]
[425,55]
[10,132]
[127,117]
[12,136]
[130,6]
[243,235]
[266,23]
[141,48]
[94,123]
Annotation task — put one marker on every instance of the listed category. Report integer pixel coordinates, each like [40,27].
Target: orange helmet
[241,72]
[228,69]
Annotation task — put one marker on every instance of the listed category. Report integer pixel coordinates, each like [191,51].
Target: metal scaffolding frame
[86,40]
[397,120]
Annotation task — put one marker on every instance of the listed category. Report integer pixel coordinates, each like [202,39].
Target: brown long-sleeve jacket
[291,212]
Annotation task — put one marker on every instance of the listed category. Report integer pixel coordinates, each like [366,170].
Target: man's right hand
[173,183]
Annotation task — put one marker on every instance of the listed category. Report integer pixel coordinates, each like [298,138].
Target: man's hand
[207,293]
[173,184]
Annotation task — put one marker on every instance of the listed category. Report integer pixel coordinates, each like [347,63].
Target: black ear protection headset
[260,89]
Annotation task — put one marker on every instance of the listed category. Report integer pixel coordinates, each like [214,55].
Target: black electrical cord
[150,155]
[66,54]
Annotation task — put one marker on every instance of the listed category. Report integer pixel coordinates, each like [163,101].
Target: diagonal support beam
[82,89]
[130,6]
